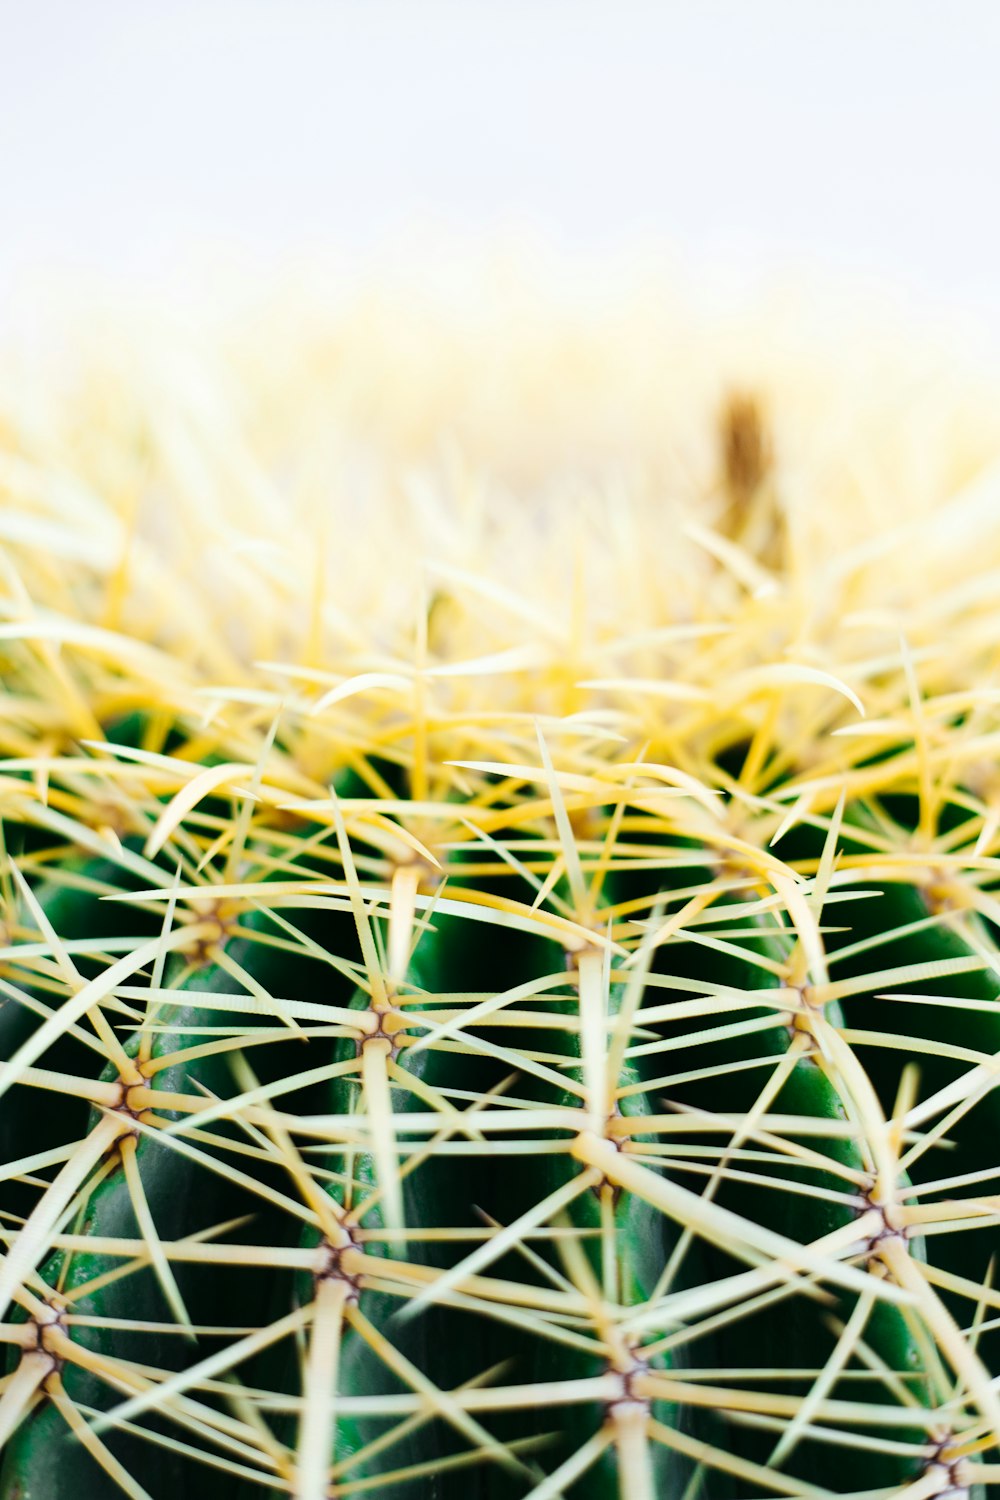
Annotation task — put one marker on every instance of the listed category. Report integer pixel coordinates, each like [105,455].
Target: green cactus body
[446,1342]
[793,1331]
[643,1240]
[184,1197]
[972,1134]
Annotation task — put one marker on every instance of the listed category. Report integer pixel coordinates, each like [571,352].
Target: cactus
[498,1000]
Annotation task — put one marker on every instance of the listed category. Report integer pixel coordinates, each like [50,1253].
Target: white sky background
[138,137]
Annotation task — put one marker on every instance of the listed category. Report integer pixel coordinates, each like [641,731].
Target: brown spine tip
[752,516]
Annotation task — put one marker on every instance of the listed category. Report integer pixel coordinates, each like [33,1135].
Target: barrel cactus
[499,937]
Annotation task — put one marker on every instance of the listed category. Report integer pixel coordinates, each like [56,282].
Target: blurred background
[190,146]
